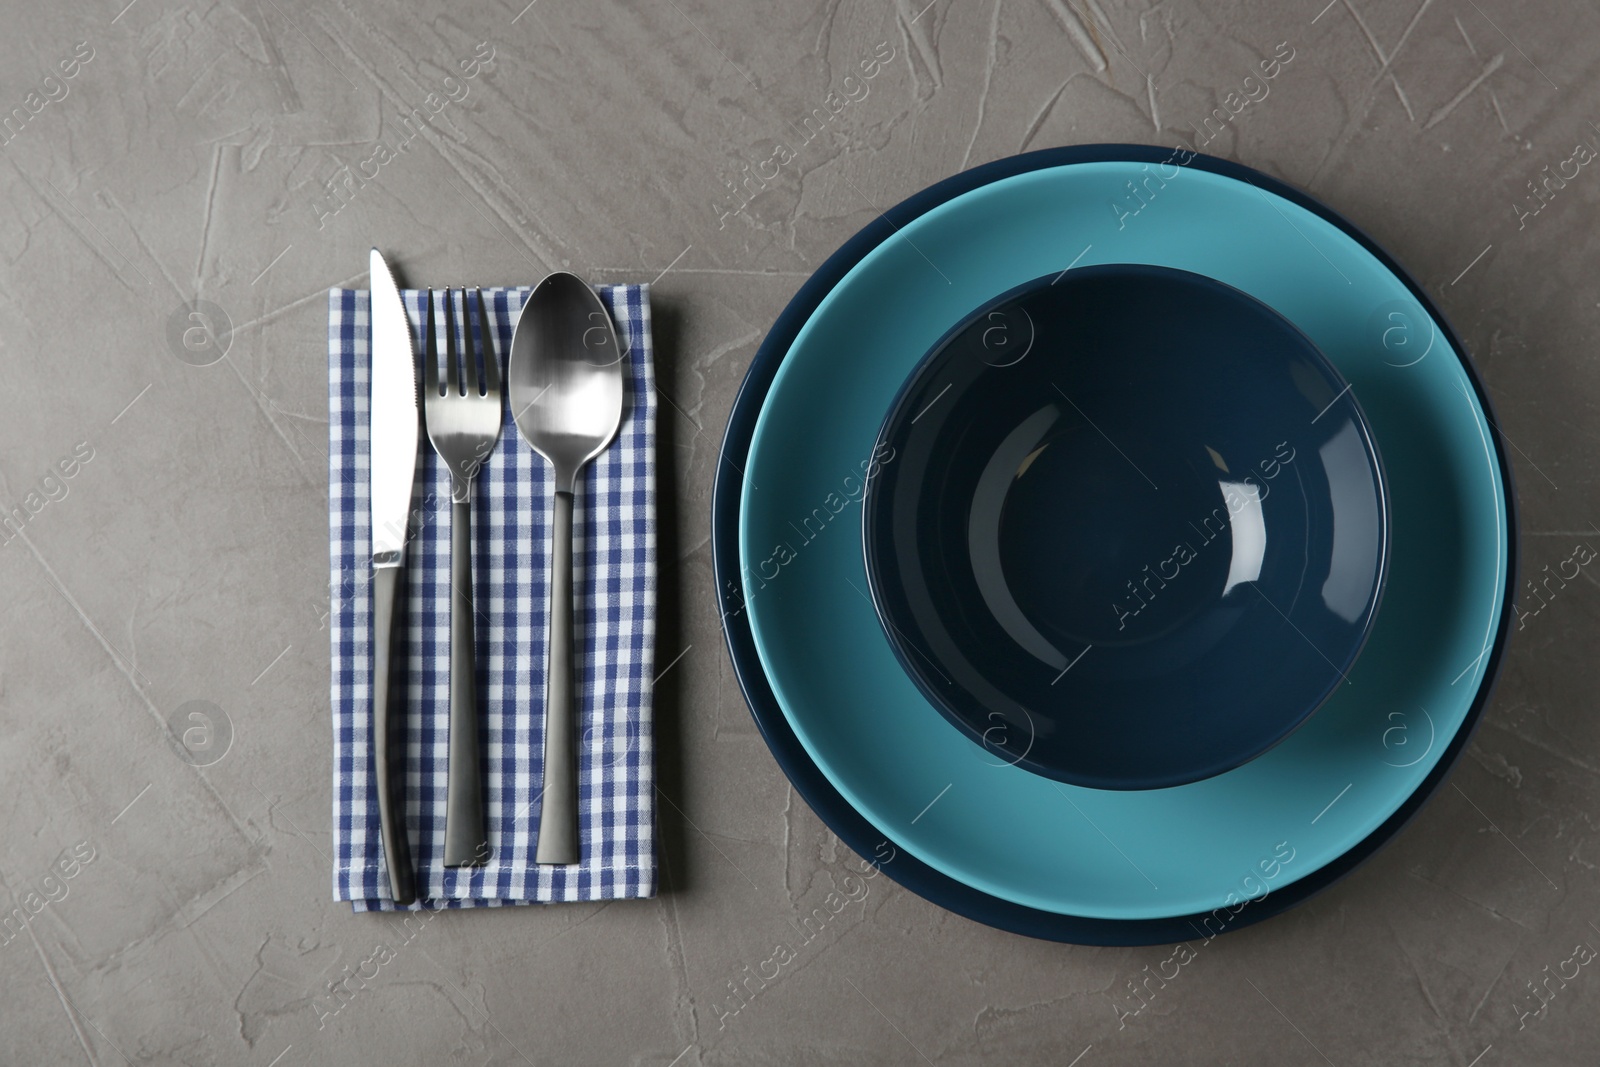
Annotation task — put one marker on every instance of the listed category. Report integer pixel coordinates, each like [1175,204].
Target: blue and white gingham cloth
[614,558]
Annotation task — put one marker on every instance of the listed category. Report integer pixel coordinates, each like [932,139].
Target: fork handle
[465,842]
[388,744]
[558,818]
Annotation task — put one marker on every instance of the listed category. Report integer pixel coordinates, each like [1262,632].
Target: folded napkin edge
[371,867]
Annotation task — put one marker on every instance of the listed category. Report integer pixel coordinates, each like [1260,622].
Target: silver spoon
[565,388]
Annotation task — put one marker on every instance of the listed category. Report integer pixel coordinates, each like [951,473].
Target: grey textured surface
[226,152]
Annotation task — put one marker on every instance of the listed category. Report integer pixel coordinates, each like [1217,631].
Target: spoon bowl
[565,375]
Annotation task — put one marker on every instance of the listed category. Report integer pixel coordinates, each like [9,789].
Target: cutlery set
[564,385]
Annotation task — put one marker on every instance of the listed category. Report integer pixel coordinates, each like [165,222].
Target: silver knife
[393,463]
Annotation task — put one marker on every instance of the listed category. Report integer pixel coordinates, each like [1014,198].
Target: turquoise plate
[966,828]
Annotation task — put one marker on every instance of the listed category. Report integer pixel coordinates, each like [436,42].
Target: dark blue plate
[1013,849]
[1134,528]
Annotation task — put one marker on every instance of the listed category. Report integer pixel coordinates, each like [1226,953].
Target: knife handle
[465,842]
[388,742]
[558,817]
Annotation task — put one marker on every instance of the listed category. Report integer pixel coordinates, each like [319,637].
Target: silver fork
[463,414]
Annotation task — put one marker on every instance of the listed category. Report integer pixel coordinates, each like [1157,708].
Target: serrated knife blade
[392,461]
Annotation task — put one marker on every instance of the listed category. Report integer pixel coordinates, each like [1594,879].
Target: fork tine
[430,357]
[469,352]
[491,361]
[452,378]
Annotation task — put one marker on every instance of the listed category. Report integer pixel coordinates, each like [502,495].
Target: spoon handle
[465,842]
[558,818]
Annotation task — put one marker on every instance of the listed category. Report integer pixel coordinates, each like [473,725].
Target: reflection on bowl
[1135,530]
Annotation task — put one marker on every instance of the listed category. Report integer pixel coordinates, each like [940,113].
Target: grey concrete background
[212,150]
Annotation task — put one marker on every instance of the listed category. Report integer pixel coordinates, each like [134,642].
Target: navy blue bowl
[1134,530]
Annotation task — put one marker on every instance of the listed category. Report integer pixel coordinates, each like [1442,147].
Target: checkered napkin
[614,559]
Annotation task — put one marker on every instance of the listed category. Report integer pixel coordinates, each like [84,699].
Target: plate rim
[848,824]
